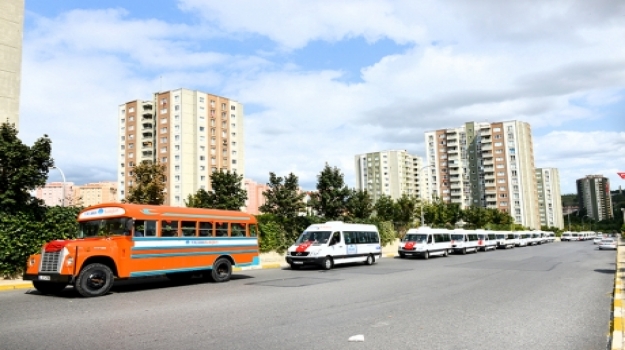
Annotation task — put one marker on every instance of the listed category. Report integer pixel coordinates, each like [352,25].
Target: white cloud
[549,63]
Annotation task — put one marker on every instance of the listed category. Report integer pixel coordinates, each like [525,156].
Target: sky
[322,81]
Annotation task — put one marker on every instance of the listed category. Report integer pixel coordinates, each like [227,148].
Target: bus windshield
[411,237]
[105,227]
[314,236]
[457,237]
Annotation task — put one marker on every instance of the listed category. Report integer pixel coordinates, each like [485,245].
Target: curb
[16,285]
[618,322]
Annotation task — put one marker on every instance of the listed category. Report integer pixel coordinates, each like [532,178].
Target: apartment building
[95,193]
[593,192]
[52,194]
[391,173]
[487,165]
[192,133]
[255,198]
[11,33]
[549,197]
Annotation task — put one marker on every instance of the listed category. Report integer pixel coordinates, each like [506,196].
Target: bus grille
[299,253]
[50,262]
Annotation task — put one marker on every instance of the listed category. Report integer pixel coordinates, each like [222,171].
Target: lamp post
[63,176]
[585,216]
[422,217]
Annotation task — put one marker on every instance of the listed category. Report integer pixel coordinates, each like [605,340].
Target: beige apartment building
[193,133]
[392,173]
[549,197]
[53,193]
[487,165]
[95,193]
[11,34]
[255,198]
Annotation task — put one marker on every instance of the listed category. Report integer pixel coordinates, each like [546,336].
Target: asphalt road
[555,296]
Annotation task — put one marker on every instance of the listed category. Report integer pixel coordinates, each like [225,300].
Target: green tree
[228,192]
[330,200]
[283,198]
[148,184]
[201,199]
[404,217]
[385,208]
[359,204]
[22,169]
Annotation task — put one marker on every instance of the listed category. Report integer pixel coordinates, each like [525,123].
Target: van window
[336,238]
[145,228]
[188,228]
[491,236]
[457,237]
[429,238]
[472,237]
[169,228]
[206,229]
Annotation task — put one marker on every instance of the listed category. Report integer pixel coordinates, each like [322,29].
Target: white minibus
[486,240]
[425,241]
[335,242]
[463,241]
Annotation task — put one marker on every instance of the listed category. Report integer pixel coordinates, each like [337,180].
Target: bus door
[336,245]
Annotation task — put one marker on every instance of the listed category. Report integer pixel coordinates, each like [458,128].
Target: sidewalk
[14,284]
[618,326]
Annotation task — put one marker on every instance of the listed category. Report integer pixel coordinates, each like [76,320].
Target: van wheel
[94,280]
[426,255]
[222,270]
[445,253]
[369,260]
[294,267]
[464,251]
[402,255]
[327,263]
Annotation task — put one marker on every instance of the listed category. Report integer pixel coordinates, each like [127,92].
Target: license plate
[44,278]
[298,262]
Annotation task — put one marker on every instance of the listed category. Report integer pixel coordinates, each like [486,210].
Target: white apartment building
[11,33]
[191,132]
[391,173]
[549,198]
[487,165]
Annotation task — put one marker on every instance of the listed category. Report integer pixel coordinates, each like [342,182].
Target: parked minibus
[464,241]
[117,240]
[424,242]
[486,240]
[512,239]
[566,237]
[333,243]
[523,238]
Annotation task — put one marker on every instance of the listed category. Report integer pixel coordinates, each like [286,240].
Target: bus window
[188,228]
[253,231]
[206,229]
[169,228]
[145,228]
[221,230]
[237,230]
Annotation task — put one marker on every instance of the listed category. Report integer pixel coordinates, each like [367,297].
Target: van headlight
[315,253]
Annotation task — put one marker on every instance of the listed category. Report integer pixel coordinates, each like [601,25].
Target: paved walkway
[618,325]
[14,284]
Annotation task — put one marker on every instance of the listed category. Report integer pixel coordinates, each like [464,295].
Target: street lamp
[63,176]
[585,216]
[422,217]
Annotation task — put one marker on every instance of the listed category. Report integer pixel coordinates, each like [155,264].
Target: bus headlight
[70,261]
[32,262]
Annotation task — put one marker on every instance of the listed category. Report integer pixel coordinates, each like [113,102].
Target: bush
[24,234]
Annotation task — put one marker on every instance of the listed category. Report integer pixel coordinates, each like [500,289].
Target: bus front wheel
[94,280]
[222,270]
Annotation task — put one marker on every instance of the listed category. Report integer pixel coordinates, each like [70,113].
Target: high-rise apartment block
[191,132]
[11,33]
[53,193]
[391,173]
[486,165]
[593,192]
[255,198]
[549,198]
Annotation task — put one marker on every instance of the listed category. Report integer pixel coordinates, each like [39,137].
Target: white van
[524,238]
[566,237]
[502,240]
[512,239]
[335,242]
[464,241]
[486,240]
[424,242]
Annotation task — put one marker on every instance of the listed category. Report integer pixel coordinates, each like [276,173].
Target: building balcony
[487,148]
[456,186]
[147,113]
[147,127]
[453,150]
[490,190]
[488,162]
[454,171]
[489,176]
[148,153]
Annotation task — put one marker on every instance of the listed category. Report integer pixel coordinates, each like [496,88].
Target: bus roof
[159,212]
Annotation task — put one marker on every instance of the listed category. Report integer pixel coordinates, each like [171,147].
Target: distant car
[607,243]
[597,240]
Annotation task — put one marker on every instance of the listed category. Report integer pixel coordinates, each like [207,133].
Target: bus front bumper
[48,277]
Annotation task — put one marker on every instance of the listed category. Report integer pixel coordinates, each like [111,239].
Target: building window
[163,130]
[202,158]
[201,129]
[164,160]
[232,108]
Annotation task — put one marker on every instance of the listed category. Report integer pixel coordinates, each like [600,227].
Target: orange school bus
[133,240]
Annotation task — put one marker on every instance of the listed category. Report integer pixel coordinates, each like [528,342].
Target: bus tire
[327,263]
[370,260]
[426,255]
[445,253]
[94,280]
[464,251]
[54,288]
[222,270]
[294,267]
